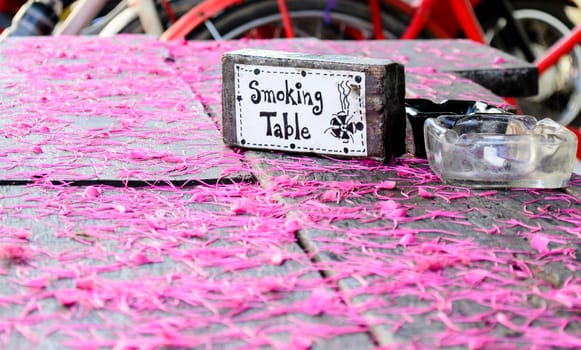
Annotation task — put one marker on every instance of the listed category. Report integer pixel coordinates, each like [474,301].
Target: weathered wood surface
[317,252]
[434,264]
[103,267]
[495,70]
[425,263]
[103,111]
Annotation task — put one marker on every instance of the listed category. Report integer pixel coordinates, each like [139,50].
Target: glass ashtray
[500,150]
[418,110]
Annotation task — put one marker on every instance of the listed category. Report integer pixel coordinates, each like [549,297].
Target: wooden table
[127,224]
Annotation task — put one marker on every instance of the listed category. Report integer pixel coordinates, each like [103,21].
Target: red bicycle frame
[560,48]
[196,16]
[464,14]
[422,14]
[421,18]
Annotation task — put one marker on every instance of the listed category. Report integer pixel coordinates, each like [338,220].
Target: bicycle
[96,17]
[526,29]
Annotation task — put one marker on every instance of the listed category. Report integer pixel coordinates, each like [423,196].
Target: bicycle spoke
[213,31]
[319,29]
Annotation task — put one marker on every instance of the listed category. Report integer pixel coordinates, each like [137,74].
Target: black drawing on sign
[342,125]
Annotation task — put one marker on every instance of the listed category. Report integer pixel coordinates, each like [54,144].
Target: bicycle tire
[179,8]
[347,19]
[544,23]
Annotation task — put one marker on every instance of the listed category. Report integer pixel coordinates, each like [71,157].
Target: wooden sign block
[324,104]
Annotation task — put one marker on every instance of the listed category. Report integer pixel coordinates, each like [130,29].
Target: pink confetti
[499,60]
[292,225]
[424,193]
[67,297]
[20,233]
[15,253]
[407,239]
[540,243]
[86,283]
[392,209]
[386,185]
[277,258]
[330,196]
[92,192]
[476,276]
[164,266]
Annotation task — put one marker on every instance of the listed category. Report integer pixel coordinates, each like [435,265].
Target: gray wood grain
[74,119]
[498,222]
[71,238]
[503,74]
[494,224]
[74,234]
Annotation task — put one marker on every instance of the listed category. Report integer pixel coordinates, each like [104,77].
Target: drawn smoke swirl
[342,125]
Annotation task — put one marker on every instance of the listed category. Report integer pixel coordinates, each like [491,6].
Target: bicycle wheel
[178,9]
[338,20]
[544,22]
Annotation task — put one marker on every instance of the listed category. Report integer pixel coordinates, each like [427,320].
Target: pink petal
[92,192]
[330,196]
[498,60]
[425,194]
[85,283]
[407,239]
[277,258]
[386,185]
[292,225]
[15,253]
[66,297]
[388,206]
[22,233]
[476,276]
[540,243]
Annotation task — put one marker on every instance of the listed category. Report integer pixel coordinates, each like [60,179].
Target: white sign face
[300,109]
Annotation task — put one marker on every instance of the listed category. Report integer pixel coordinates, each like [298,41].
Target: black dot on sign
[293,146]
[298,85]
[358,79]
[243,141]
[257,71]
[304,74]
[346,150]
[239,98]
